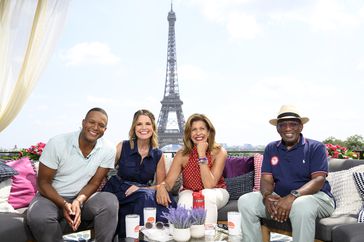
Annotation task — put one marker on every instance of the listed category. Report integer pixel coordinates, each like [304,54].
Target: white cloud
[361,12]
[102,100]
[324,15]
[192,73]
[239,17]
[239,25]
[242,26]
[360,66]
[212,10]
[90,53]
[329,15]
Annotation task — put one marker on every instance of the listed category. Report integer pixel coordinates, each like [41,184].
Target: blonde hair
[132,135]
[188,144]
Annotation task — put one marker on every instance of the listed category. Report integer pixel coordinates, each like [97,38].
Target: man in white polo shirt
[71,169]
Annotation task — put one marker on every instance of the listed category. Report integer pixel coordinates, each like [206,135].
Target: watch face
[295,193]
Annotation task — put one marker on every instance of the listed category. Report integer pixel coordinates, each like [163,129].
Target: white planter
[197,231]
[181,234]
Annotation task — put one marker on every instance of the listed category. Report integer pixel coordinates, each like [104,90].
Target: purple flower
[180,217]
[198,215]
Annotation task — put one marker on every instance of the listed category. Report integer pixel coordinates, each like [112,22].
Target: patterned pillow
[239,185]
[361,216]
[346,194]
[6,172]
[258,159]
[359,182]
[23,187]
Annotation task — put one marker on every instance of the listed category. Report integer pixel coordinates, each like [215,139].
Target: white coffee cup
[132,225]
[234,223]
[150,215]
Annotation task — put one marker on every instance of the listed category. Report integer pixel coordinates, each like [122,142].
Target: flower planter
[181,234]
[197,231]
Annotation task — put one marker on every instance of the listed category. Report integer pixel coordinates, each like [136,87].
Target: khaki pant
[304,212]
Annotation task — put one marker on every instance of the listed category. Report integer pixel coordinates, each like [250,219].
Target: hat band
[288,114]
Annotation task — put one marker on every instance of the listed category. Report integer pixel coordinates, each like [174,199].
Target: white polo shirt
[63,154]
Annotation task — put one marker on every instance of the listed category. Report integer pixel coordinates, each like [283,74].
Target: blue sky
[238,62]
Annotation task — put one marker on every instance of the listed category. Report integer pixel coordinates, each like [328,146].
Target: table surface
[221,234]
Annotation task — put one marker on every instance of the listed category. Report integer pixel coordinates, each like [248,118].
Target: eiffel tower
[171,120]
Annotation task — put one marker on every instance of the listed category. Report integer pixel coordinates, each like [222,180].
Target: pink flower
[340,152]
[34,151]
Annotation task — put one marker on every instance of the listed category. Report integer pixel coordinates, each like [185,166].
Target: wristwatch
[295,193]
[203,160]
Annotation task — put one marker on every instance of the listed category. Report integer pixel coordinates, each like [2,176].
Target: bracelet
[203,160]
[164,184]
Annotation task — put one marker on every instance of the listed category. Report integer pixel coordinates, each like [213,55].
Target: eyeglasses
[286,124]
[157,225]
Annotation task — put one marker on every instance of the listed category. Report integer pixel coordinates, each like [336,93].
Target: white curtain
[29,30]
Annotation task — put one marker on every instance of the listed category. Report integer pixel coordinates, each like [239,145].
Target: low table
[221,234]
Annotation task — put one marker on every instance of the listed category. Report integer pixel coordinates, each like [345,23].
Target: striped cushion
[361,215]
[359,182]
[258,159]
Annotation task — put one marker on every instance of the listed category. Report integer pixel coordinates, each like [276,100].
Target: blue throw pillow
[6,172]
[239,185]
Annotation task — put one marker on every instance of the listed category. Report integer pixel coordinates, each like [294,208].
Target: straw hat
[288,112]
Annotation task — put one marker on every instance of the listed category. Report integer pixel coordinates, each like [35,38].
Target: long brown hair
[132,135]
[188,144]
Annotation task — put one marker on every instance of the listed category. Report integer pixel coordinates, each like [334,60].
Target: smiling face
[290,130]
[93,126]
[199,132]
[144,127]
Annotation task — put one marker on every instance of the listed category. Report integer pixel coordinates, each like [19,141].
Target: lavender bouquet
[180,217]
[198,216]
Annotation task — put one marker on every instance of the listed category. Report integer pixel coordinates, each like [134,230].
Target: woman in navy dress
[139,161]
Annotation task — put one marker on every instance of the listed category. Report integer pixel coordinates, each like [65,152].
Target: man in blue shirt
[293,182]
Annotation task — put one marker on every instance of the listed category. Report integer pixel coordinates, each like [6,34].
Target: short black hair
[96,109]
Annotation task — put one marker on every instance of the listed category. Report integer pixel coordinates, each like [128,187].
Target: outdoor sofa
[241,176]
[339,228]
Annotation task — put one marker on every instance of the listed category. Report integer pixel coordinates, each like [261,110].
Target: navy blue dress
[134,172]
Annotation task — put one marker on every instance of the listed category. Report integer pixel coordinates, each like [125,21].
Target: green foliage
[354,142]
[334,141]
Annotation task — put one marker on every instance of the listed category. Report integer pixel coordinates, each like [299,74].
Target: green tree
[334,141]
[355,142]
